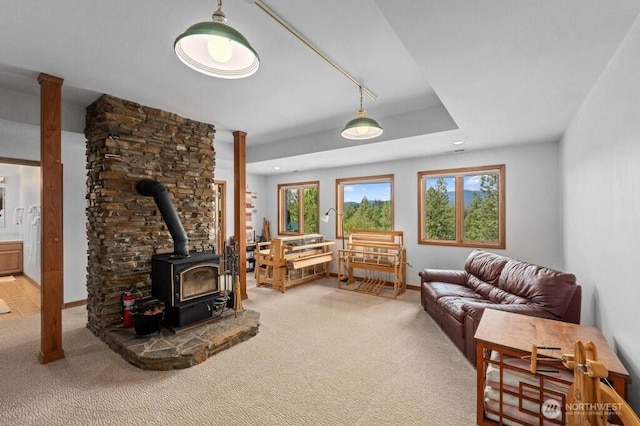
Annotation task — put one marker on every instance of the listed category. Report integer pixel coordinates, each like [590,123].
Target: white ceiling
[491,72]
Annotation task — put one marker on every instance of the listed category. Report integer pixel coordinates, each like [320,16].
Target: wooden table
[514,334]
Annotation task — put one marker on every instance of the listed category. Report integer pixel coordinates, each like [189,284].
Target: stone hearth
[170,351]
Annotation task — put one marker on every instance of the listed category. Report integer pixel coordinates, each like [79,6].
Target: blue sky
[471,183]
[373,191]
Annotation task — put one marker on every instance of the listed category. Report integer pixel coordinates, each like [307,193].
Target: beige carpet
[323,356]
[4,308]
[7,278]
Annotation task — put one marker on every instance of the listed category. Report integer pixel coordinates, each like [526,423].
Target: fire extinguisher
[128,306]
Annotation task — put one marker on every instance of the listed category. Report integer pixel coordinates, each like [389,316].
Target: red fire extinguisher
[128,306]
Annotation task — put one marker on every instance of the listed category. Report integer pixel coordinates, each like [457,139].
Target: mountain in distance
[356,204]
[468,197]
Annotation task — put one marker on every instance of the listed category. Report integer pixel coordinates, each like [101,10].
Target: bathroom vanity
[10,257]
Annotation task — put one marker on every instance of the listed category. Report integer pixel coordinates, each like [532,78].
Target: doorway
[20,237]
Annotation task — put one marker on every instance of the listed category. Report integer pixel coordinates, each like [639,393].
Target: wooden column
[51,243]
[239,205]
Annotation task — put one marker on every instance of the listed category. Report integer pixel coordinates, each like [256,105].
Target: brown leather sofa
[456,299]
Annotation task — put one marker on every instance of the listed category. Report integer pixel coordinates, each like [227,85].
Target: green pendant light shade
[361,127]
[215,49]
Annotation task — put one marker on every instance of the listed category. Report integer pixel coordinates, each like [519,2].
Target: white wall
[601,176]
[22,141]
[74,216]
[533,218]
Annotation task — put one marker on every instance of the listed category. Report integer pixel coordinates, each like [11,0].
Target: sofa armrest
[572,313]
[454,276]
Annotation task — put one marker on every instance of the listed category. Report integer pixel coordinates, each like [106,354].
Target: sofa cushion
[455,306]
[458,306]
[485,266]
[545,287]
[436,290]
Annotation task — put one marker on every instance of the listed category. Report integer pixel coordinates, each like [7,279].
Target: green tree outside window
[463,207]
[298,208]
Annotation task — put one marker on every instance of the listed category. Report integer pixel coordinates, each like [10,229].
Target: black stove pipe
[152,188]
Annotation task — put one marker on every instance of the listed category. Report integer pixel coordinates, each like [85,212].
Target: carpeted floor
[323,356]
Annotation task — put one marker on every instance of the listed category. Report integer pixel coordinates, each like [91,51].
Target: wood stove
[187,282]
[188,286]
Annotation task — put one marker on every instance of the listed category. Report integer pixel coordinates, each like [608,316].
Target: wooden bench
[381,256]
[292,260]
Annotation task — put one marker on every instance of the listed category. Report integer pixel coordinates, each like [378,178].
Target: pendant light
[361,127]
[215,49]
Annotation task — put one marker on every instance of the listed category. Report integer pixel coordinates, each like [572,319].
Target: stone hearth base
[169,351]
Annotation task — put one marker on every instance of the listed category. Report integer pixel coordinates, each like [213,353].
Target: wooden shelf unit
[291,260]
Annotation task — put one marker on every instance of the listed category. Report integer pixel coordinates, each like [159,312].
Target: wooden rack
[381,255]
[288,261]
[508,392]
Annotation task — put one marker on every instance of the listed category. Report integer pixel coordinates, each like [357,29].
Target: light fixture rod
[266,9]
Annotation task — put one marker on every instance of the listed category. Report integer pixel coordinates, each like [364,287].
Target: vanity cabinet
[10,257]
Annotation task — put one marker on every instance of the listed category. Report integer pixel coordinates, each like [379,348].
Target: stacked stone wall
[127,142]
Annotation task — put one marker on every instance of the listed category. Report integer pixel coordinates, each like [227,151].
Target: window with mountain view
[298,208]
[367,204]
[463,207]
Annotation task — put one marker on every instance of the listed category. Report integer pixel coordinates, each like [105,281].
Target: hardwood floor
[22,296]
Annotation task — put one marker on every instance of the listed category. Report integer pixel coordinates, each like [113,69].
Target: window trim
[300,186]
[459,173]
[365,180]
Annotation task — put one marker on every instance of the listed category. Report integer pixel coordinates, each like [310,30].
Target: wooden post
[239,203]
[51,285]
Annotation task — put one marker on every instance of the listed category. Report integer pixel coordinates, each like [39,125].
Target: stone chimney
[126,143]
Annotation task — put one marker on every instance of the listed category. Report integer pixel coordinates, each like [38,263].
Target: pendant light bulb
[220,49]
[362,129]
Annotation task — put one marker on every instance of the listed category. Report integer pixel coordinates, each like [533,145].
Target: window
[367,204]
[462,207]
[295,201]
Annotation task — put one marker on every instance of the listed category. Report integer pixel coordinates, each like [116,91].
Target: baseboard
[31,280]
[74,304]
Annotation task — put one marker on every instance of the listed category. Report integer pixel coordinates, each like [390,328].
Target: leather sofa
[456,299]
